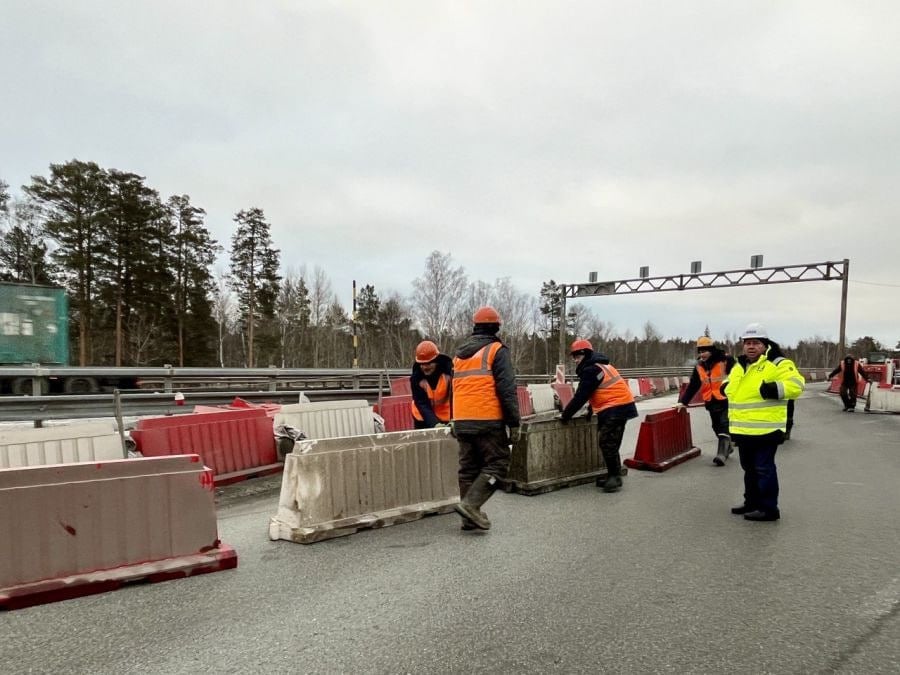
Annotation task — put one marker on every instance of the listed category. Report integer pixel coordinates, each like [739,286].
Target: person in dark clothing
[610,399]
[709,378]
[485,413]
[430,384]
[851,373]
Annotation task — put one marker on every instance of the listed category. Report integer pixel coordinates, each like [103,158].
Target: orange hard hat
[486,315]
[704,342]
[580,345]
[426,351]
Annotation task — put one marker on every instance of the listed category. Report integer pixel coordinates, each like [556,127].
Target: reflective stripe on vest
[474,390]
[439,398]
[612,390]
[750,414]
[711,381]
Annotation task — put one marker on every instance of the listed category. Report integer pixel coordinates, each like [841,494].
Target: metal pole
[562,326]
[843,337]
[355,337]
[117,402]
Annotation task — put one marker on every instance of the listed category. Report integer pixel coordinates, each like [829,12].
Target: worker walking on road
[709,377]
[759,387]
[485,412]
[430,384]
[610,399]
[851,373]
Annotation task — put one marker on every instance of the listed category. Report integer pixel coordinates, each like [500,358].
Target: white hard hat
[755,331]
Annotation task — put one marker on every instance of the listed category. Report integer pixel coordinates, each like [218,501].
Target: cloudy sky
[530,140]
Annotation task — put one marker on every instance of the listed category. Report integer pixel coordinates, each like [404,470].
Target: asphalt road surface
[658,578]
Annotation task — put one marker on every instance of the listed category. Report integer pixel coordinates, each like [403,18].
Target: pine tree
[193,255]
[254,275]
[73,202]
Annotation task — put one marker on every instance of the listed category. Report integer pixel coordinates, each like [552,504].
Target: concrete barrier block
[329,419]
[76,529]
[337,486]
[86,442]
[550,455]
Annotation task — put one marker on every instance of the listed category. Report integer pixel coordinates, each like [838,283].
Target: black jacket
[504,384]
[848,380]
[420,397]
[717,356]
[589,378]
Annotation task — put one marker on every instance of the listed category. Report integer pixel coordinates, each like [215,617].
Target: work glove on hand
[679,406]
[563,420]
[768,390]
[514,433]
[441,425]
[588,414]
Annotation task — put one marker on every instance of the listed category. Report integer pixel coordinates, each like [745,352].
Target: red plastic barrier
[664,440]
[659,385]
[235,444]
[400,386]
[697,398]
[526,407]
[397,412]
[834,387]
[645,386]
[565,393]
[238,403]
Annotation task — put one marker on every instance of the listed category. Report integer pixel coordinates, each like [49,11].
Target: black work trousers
[757,455]
[718,415]
[848,395]
[486,452]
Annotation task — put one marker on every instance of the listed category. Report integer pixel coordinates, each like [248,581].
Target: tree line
[139,271]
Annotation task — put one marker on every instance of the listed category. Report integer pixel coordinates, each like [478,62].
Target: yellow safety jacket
[749,414]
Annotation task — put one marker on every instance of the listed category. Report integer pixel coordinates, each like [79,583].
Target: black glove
[768,390]
[589,413]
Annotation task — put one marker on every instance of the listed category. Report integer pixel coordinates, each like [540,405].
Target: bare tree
[225,312]
[320,297]
[437,294]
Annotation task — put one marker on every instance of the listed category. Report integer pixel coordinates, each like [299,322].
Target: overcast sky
[530,140]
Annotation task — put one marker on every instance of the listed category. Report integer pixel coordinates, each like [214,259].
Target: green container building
[34,325]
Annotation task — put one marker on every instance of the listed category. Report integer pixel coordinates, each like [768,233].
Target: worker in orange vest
[709,378]
[610,399]
[485,412]
[430,384]
[851,373]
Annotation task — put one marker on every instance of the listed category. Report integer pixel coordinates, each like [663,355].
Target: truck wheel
[80,385]
[22,386]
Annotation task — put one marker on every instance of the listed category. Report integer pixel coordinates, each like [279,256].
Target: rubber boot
[478,494]
[723,451]
[613,480]
[463,491]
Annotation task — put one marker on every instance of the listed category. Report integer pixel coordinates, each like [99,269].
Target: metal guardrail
[217,386]
[40,408]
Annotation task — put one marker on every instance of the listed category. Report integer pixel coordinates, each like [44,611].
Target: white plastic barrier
[543,398]
[59,445]
[336,486]
[329,419]
[635,387]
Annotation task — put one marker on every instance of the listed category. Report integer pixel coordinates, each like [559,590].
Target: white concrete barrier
[86,442]
[543,398]
[329,419]
[337,486]
[76,529]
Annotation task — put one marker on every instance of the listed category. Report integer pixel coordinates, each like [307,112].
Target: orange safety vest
[613,390]
[474,391]
[711,381]
[439,397]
